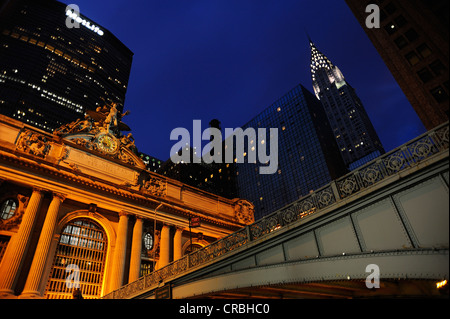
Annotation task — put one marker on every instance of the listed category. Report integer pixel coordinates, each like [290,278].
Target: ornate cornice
[141,195]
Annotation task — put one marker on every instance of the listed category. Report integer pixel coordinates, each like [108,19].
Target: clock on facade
[107,143]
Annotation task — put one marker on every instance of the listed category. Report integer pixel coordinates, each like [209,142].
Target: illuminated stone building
[79,207]
[51,74]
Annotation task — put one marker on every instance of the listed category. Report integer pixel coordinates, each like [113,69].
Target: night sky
[230,59]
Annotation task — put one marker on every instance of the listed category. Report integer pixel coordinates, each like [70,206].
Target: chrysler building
[352,128]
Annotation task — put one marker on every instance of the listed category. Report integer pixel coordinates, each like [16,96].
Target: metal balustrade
[406,156]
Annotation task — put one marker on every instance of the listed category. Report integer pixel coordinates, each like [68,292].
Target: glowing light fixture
[441,284]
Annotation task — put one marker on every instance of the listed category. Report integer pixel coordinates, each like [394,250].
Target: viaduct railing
[406,156]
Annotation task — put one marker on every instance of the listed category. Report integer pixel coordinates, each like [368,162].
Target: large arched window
[79,261]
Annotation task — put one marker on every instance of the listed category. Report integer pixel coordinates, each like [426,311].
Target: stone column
[136,249]
[164,247]
[16,250]
[177,244]
[118,263]
[34,278]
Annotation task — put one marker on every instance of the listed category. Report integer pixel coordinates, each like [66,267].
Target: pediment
[100,132]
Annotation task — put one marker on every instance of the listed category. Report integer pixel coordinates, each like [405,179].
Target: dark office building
[413,40]
[51,74]
[354,133]
[152,163]
[308,157]
[216,178]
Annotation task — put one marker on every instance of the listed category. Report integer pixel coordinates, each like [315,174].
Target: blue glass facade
[308,157]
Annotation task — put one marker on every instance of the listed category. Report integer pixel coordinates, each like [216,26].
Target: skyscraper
[308,157]
[216,178]
[354,133]
[51,74]
[413,41]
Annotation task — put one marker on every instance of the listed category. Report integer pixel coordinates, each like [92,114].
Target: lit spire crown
[320,62]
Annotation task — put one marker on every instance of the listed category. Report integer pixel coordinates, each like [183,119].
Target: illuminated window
[8,208]
[390,28]
[50,48]
[148,241]
[82,243]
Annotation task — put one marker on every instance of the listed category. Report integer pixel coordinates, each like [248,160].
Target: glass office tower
[51,74]
[308,157]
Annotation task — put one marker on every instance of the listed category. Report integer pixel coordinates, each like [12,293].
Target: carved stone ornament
[33,143]
[244,211]
[100,131]
[154,186]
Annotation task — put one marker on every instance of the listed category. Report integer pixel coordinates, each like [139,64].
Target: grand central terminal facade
[80,211]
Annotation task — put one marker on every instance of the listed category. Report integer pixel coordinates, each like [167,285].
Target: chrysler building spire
[352,128]
[323,72]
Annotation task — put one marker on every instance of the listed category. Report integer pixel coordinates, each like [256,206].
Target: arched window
[79,261]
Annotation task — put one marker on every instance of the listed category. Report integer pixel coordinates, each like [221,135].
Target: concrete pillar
[164,248]
[16,250]
[34,278]
[177,244]
[136,248]
[118,264]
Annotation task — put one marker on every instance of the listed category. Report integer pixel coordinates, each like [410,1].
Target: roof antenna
[307,35]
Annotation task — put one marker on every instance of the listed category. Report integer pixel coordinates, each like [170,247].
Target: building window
[8,208]
[401,42]
[425,75]
[146,267]
[400,21]
[437,67]
[390,28]
[424,50]
[439,94]
[148,241]
[390,8]
[412,58]
[82,243]
[411,35]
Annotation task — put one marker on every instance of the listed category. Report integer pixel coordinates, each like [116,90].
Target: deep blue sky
[230,59]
